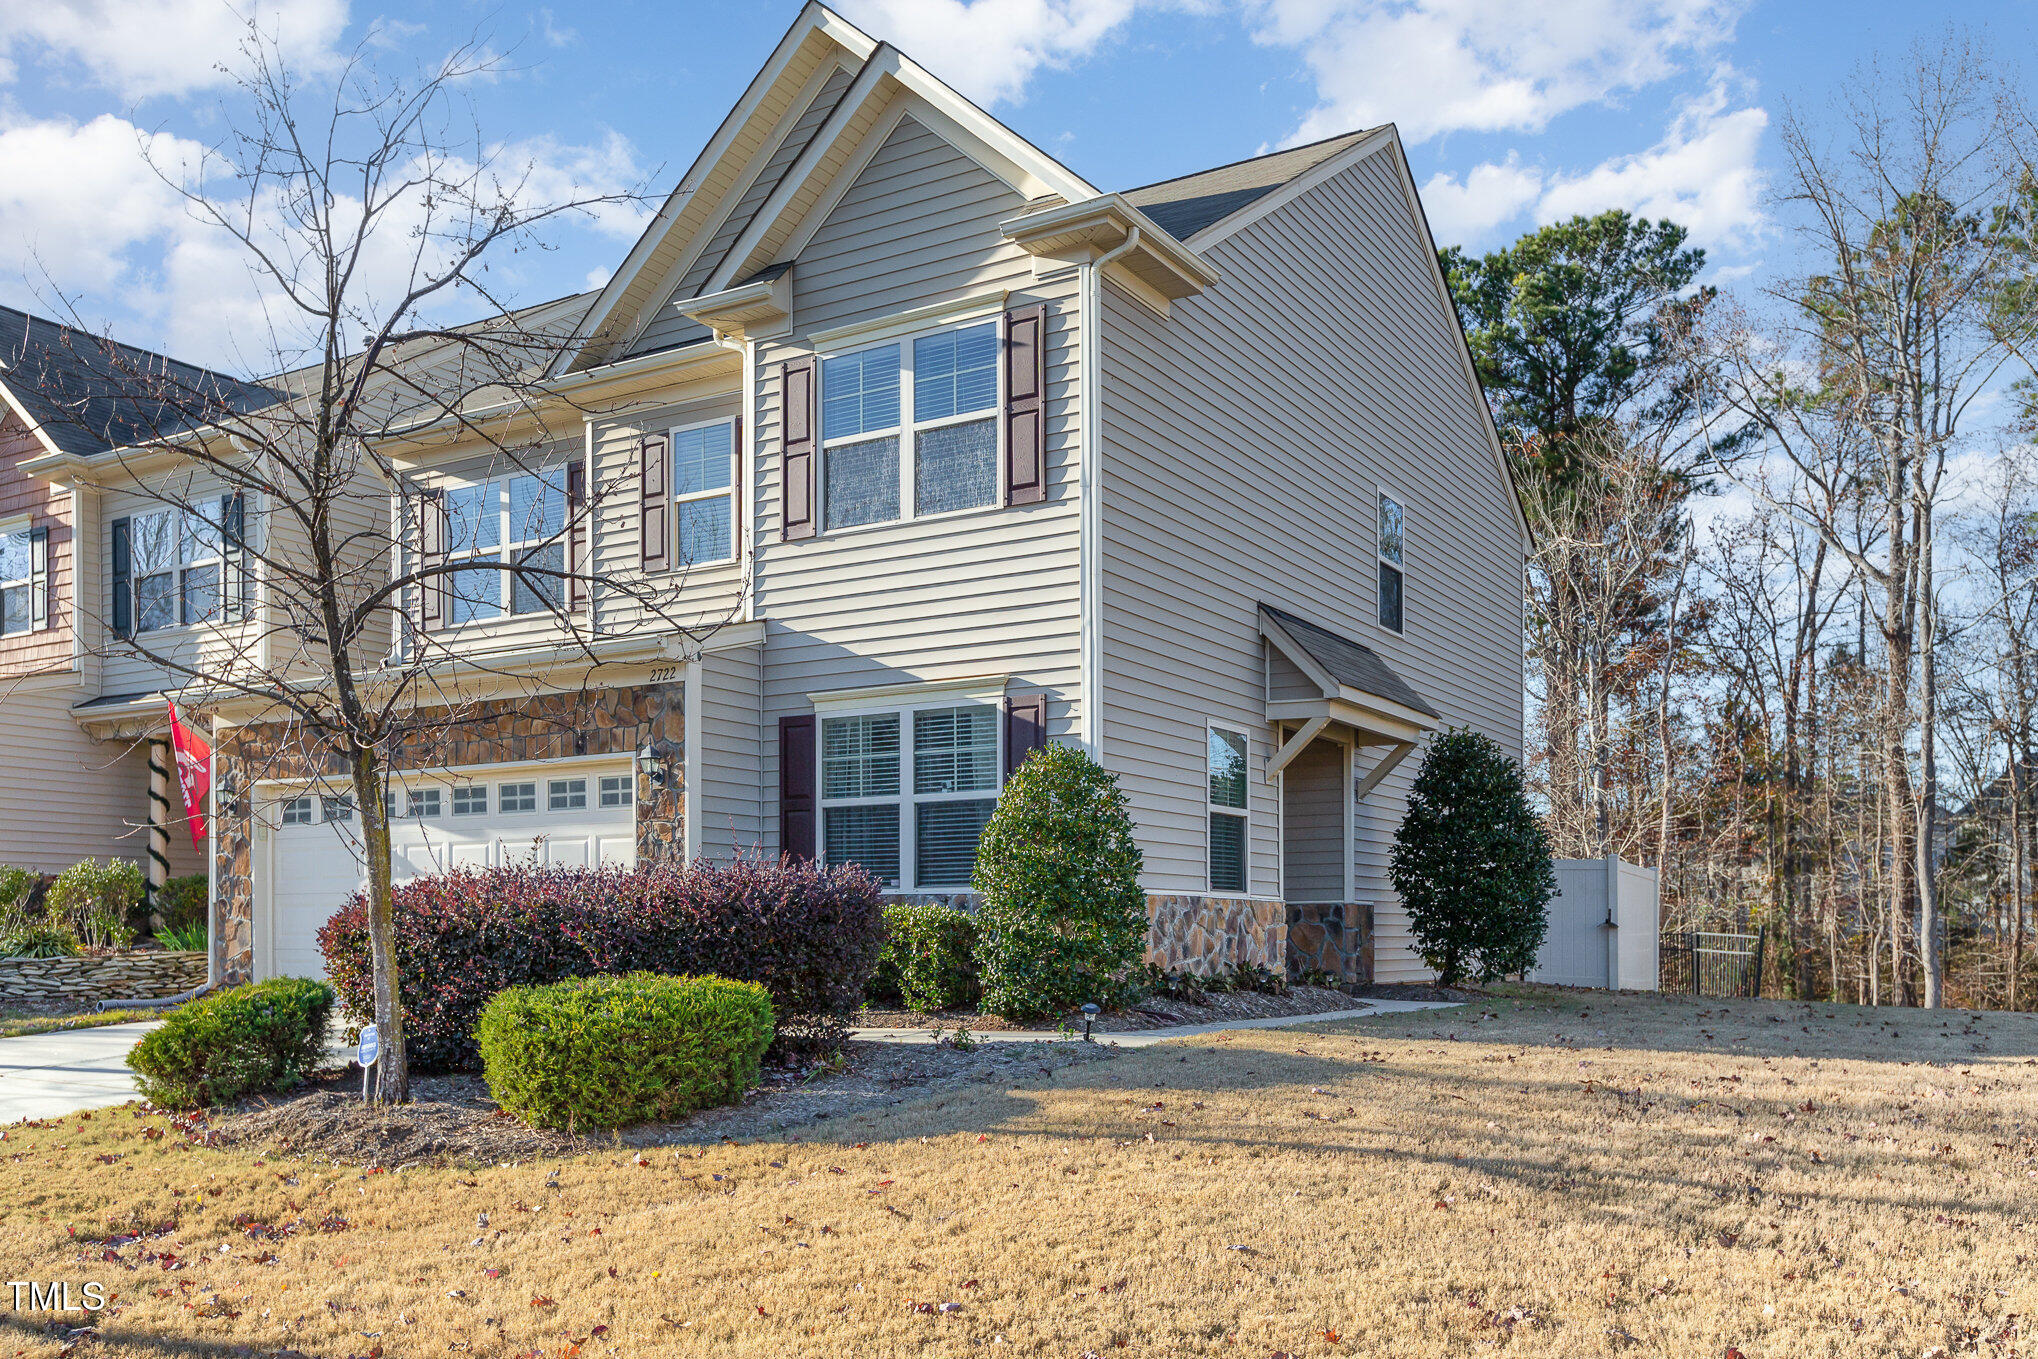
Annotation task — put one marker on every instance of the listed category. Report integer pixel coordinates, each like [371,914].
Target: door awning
[1317,677]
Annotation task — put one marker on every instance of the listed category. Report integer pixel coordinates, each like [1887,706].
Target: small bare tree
[363,218]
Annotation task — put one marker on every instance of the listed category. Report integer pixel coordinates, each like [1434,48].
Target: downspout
[1089,570]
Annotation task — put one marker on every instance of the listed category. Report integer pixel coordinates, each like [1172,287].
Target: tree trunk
[1930,962]
[392,1069]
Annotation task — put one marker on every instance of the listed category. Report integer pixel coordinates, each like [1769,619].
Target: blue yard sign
[371,1045]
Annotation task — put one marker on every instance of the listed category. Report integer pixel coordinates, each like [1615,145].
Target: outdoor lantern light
[1089,1018]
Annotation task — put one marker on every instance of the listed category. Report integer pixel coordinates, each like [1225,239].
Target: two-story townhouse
[85,768]
[944,452]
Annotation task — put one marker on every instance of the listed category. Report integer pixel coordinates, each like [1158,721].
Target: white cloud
[164,47]
[1702,175]
[1462,212]
[1439,66]
[990,49]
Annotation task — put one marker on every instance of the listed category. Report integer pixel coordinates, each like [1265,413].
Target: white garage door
[579,816]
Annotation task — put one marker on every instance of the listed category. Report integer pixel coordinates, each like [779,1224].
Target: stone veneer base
[1333,937]
[1206,934]
[116,976]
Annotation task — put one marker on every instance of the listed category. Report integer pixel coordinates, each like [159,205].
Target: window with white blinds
[1228,814]
[906,794]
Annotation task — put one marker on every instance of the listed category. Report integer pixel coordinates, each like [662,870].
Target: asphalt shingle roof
[81,388]
[1349,663]
[1186,205]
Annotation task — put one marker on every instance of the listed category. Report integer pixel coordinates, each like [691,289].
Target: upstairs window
[175,564]
[519,518]
[1228,814]
[703,485]
[17,573]
[910,428]
[1390,533]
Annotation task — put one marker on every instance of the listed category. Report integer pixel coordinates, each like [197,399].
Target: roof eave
[1081,232]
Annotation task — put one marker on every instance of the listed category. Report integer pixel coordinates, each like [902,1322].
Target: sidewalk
[44,1075]
[1143,1038]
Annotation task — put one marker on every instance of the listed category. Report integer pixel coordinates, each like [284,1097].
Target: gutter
[1089,569]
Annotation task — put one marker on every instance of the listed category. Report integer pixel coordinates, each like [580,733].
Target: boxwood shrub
[607,1052]
[809,936]
[929,959]
[249,1040]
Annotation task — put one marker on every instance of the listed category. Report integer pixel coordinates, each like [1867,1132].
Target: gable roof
[1187,204]
[1349,663]
[77,388]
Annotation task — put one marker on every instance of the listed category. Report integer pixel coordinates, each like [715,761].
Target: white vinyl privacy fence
[1603,926]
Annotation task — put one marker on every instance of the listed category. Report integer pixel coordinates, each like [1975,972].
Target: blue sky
[1514,113]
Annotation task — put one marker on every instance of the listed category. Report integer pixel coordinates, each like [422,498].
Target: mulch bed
[452,1121]
[1155,1012]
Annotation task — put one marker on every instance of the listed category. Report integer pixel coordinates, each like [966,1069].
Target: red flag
[194,773]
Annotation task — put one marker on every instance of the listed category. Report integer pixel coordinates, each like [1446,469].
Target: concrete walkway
[1144,1038]
[48,1074]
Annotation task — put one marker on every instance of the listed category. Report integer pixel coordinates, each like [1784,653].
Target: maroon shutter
[1025,728]
[796,787]
[1025,404]
[801,446]
[432,553]
[654,520]
[576,536]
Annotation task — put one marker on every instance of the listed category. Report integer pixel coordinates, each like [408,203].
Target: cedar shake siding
[1246,439]
[27,501]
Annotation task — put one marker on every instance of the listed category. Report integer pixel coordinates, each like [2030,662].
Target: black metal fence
[1710,963]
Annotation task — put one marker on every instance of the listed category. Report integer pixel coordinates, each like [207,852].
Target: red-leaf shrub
[809,936]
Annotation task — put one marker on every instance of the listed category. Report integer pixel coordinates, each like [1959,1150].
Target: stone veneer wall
[1333,937]
[1203,934]
[116,976]
[647,719]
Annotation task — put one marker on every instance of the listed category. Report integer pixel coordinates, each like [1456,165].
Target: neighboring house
[84,768]
[944,453]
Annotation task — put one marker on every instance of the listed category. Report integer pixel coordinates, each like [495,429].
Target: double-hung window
[909,428]
[906,794]
[519,519]
[703,485]
[1228,814]
[17,583]
[175,562]
[1389,549]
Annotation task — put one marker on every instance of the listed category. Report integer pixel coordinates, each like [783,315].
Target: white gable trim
[813,18]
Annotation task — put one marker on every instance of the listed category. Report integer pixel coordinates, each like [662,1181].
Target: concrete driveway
[47,1074]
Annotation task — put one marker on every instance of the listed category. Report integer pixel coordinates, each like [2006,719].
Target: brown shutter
[123,583]
[1025,405]
[39,610]
[654,518]
[576,536]
[796,787]
[432,529]
[1025,728]
[801,447]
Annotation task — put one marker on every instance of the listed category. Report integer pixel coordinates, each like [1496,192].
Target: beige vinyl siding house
[1248,437]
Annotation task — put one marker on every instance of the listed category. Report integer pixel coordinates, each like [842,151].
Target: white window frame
[625,791]
[1381,493]
[487,803]
[727,493]
[25,527]
[1244,814]
[907,430]
[501,809]
[301,810]
[506,545]
[906,800]
[184,542]
[562,788]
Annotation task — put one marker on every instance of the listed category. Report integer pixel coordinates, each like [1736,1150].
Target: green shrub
[1063,920]
[17,889]
[1472,862]
[928,961]
[95,899]
[183,938]
[610,1051]
[37,939]
[180,904]
[250,1040]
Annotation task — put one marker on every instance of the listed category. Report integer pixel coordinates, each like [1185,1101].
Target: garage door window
[615,790]
[297,812]
[517,797]
[422,802]
[339,808]
[470,801]
[566,795]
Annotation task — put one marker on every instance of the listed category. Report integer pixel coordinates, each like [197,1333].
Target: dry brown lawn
[1544,1174]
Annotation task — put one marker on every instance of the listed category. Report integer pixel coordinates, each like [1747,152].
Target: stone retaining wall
[118,976]
[1333,937]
